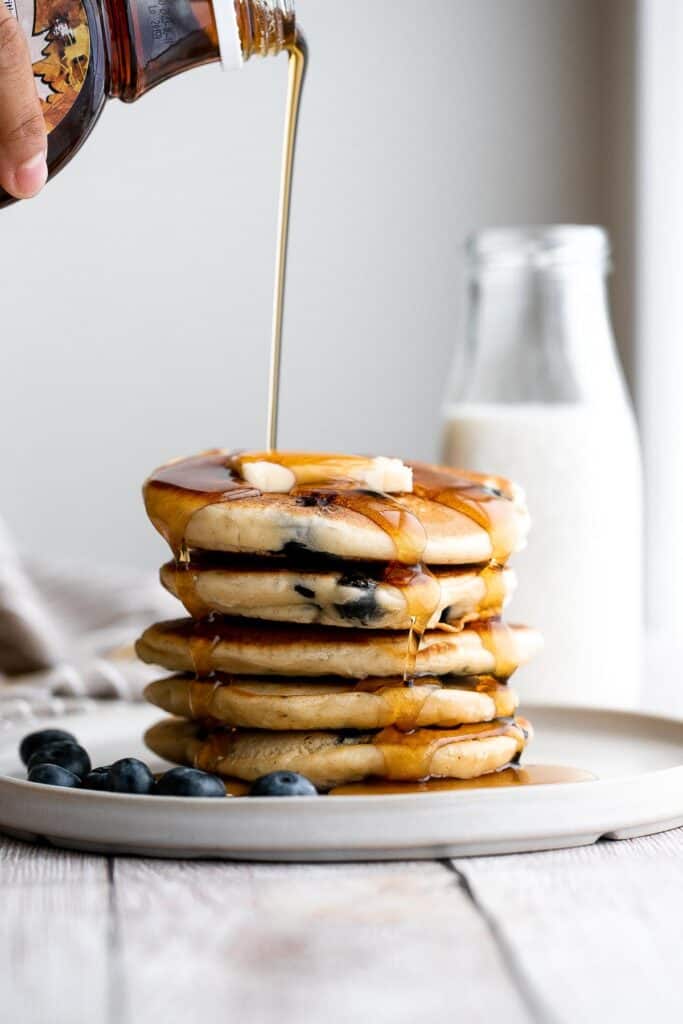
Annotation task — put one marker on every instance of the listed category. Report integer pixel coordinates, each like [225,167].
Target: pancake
[451,517]
[253,703]
[248,648]
[332,594]
[331,759]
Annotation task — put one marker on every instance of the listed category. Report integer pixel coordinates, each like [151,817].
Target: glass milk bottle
[538,395]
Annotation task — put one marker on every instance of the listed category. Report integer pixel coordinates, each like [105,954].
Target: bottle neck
[266,27]
[539,335]
[150,41]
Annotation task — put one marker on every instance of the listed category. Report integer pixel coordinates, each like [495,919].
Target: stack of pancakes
[336,629]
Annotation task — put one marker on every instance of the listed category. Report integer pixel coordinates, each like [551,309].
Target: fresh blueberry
[98,778]
[283,784]
[53,775]
[35,740]
[189,782]
[65,753]
[130,776]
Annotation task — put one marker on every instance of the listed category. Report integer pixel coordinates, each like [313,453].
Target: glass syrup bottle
[85,52]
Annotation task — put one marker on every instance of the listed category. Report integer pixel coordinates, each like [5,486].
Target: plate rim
[439,822]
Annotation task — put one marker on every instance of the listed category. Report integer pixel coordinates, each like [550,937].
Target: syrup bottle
[85,52]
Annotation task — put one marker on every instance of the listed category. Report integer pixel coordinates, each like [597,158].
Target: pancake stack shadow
[303,652]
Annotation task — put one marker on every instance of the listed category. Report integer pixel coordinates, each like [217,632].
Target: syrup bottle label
[59,41]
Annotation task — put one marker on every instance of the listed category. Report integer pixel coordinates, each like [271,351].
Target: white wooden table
[591,934]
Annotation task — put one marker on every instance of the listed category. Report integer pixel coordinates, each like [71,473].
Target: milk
[580,575]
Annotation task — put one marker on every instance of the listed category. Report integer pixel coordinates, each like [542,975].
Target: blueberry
[65,753]
[98,778]
[358,580]
[189,782]
[283,784]
[314,500]
[130,776]
[365,610]
[53,775]
[35,740]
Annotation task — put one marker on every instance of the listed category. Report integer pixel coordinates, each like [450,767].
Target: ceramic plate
[638,761]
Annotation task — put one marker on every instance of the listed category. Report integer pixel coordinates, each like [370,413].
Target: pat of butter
[389,475]
[268,477]
[278,473]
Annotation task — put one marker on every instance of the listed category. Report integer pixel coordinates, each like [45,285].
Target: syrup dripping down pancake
[243,647]
[334,758]
[331,593]
[291,704]
[451,517]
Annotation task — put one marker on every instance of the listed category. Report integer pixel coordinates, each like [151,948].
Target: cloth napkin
[67,633]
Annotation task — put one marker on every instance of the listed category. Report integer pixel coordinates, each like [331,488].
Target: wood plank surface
[55,937]
[594,933]
[590,934]
[306,943]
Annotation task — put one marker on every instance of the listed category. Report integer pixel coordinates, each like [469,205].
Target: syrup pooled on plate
[514,777]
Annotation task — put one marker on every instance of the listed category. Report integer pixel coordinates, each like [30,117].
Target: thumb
[23,139]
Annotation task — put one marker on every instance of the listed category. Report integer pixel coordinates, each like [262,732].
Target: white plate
[638,760]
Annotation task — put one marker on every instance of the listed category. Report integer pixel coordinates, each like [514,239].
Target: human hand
[23,139]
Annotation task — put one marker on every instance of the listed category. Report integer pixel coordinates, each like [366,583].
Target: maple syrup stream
[298,60]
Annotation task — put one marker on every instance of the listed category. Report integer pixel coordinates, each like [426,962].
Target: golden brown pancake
[451,518]
[337,594]
[331,759]
[243,647]
[292,704]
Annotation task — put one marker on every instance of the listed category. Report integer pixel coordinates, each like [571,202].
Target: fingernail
[30,177]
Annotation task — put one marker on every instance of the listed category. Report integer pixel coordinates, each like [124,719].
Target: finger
[23,139]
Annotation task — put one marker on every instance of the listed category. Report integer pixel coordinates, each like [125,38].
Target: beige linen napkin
[29,639]
[68,632]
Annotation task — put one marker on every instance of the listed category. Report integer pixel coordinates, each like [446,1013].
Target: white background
[136,291]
